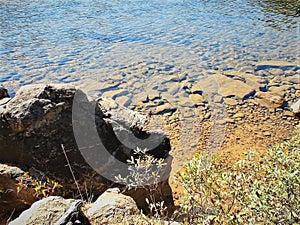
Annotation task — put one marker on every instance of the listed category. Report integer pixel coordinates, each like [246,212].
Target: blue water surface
[45,41]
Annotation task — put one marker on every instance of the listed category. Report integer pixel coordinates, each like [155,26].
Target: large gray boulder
[53,210]
[98,138]
[112,207]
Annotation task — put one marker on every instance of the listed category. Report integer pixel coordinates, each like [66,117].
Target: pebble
[276,71]
[196,89]
[288,113]
[218,99]
[282,64]
[229,120]
[231,101]
[281,90]
[152,95]
[124,101]
[239,115]
[163,109]
[267,133]
[196,98]
[292,79]
[115,93]
[207,115]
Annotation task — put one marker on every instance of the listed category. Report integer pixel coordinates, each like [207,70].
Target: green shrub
[144,172]
[256,190]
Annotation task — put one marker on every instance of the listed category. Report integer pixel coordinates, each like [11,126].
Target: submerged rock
[98,137]
[284,65]
[253,81]
[270,99]
[233,87]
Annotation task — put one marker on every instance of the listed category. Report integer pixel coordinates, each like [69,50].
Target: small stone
[221,122]
[3,93]
[218,99]
[113,94]
[288,113]
[196,98]
[153,94]
[207,115]
[196,89]
[292,79]
[267,133]
[281,90]
[276,71]
[250,79]
[229,120]
[163,109]
[239,115]
[123,100]
[231,101]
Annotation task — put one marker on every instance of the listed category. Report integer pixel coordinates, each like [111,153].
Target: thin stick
[10,217]
[69,165]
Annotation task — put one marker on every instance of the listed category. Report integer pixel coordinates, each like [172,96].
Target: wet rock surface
[39,119]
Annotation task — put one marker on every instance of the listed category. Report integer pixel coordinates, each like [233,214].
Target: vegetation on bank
[256,190]
[259,189]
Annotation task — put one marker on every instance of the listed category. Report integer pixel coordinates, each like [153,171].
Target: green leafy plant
[145,172]
[256,190]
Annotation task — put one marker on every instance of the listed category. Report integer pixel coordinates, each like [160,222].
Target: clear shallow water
[68,41]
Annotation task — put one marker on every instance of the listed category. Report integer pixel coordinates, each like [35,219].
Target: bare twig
[69,165]
[10,217]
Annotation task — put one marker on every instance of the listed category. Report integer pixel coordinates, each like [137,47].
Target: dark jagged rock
[97,137]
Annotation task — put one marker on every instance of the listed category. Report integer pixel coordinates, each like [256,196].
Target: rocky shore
[227,112]
[38,135]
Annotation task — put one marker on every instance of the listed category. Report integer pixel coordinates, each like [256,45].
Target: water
[69,41]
